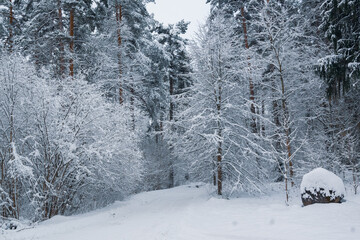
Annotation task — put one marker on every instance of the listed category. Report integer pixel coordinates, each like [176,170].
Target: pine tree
[41,36]
[340,70]
[177,75]
[281,28]
[341,25]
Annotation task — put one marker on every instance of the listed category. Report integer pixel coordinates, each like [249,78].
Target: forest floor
[194,213]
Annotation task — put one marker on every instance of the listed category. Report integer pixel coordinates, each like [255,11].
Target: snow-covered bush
[63,147]
[321,186]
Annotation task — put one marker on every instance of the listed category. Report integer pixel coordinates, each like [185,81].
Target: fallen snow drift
[320,178]
[190,213]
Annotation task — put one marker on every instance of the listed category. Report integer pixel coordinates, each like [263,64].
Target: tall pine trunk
[118,14]
[13,190]
[251,84]
[253,124]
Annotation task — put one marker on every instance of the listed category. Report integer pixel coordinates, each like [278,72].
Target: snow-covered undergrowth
[194,213]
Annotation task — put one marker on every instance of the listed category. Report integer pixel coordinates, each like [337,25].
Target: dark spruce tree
[340,69]
[341,25]
[177,75]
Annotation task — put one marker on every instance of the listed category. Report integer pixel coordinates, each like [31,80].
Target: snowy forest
[100,101]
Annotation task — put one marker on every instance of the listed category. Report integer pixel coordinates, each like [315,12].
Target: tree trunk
[72,16]
[118,13]
[171,118]
[15,196]
[263,115]
[277,138]
[219,147]
[132,104]
[61,44]
[214,178]
[286,126]
[219,168]
[171,90]
[13,191]
[251,84]
[253,125]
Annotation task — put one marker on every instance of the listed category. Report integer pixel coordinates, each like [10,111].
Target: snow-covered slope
[190,213]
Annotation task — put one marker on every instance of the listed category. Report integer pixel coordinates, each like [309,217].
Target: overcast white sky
[172,11]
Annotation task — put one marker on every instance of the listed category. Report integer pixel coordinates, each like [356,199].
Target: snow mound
[324,181]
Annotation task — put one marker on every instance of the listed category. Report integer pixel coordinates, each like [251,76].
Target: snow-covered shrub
[321,186]
[64,148]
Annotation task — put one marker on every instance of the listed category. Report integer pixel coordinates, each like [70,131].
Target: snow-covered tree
[339,68]
[215,139]
[65,139]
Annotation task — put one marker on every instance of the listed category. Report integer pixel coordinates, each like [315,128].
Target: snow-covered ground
[191,213]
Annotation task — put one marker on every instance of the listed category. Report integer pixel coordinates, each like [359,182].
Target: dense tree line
[283,79]
[98,100]
[86,87]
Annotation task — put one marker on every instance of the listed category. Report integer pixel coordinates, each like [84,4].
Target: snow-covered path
[190,213]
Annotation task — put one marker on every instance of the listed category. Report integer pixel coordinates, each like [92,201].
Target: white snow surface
[322,178]
[191,213]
